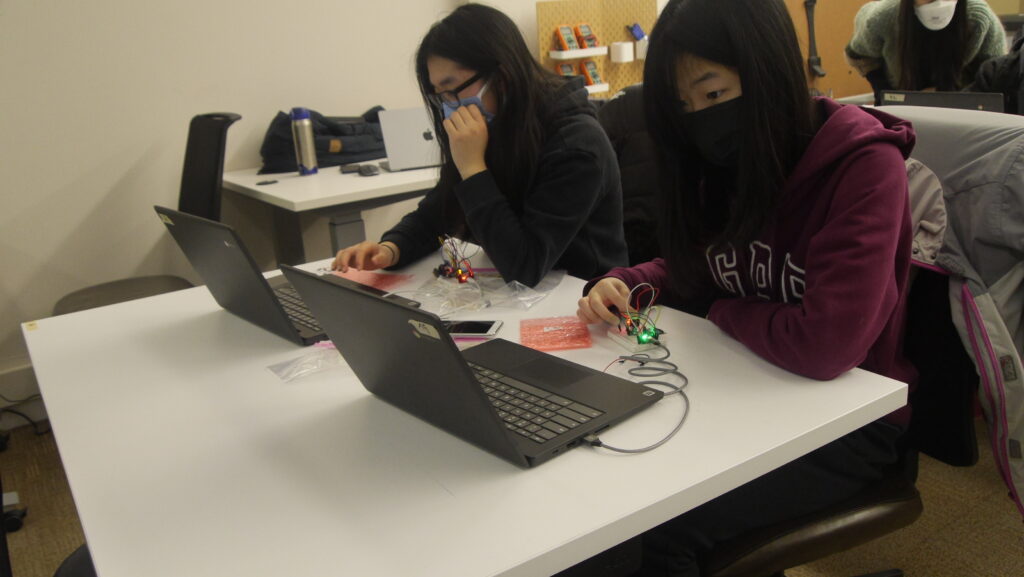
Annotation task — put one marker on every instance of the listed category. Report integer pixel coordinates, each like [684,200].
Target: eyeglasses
[438,99]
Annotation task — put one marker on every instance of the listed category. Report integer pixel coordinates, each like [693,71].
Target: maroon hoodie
[824,289]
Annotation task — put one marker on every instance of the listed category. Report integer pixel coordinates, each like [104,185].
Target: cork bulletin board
[833,29]
[608,19]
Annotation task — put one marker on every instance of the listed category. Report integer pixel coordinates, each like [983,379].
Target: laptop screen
[990,101]
[409,138]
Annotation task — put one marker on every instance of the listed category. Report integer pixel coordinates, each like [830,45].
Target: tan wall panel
[833,23]
[608,19]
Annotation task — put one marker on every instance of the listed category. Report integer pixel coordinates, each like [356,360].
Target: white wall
[524,14]
[96,99]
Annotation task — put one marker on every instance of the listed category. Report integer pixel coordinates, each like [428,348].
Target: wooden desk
[186,455]
[312,217]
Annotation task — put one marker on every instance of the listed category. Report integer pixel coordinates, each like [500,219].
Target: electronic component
[636,330]
[455,265]
[585,36]
[589,68]
[631,342]
[349,168]
[368,170]
[565,38]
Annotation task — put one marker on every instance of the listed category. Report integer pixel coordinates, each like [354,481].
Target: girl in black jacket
[527,172]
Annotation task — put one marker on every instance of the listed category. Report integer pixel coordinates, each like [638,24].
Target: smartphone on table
[473,329]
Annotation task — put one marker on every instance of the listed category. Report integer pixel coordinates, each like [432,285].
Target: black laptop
[990,101]
[236,283]
[520,404]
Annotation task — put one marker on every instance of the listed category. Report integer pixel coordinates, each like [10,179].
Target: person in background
[788,218]
[924,44]
[527,172]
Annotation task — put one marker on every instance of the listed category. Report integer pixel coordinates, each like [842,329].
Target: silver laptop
[409,139]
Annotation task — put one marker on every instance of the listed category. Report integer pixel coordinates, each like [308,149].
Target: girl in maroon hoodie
[785,219]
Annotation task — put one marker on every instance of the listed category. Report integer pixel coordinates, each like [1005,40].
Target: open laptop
[520,404]
[236,283]
[409,139]
[990,101]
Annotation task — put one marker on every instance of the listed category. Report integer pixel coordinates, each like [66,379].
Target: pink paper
[554,334]
[383,281]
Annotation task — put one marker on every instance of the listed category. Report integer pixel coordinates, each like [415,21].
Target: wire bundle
[640,320]
[456,264]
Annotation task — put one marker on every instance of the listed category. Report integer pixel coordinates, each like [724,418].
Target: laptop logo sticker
[424,329]
[167,220]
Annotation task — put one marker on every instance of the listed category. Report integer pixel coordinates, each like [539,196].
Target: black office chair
[942,427]
[77,564]
[883,507]
[201,180]
[623,121]
[203,172]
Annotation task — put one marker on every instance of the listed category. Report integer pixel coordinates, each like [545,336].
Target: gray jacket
[979,158]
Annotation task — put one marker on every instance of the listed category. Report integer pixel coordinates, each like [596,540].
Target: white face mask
[936,15]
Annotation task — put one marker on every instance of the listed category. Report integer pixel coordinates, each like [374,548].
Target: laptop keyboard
[531,412]
[296,309]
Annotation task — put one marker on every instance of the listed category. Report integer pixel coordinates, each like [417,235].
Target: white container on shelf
[622,52]
[641,48]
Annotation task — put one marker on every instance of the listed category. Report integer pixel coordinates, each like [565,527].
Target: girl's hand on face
[467,136]
[608,292]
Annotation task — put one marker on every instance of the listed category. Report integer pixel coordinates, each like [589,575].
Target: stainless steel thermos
[302,134]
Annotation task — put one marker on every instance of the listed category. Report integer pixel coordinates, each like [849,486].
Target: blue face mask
[448,108]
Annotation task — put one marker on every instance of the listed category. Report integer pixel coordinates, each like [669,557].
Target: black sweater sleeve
[564,195]
[416,235]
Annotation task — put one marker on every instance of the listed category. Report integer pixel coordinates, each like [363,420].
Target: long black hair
[703,207]
[932,57]
[485,40]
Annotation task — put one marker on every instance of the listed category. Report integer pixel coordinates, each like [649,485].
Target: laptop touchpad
[550,372]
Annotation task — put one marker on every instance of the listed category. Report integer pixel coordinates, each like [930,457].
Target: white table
[186,455]
[303,207]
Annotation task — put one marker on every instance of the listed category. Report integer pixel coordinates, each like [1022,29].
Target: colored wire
[647,372]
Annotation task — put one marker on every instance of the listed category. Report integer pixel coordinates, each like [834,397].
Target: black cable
[20,401]
[646,371]
[35,425]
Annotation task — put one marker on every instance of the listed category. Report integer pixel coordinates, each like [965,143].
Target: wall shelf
[610,22]
[578,53]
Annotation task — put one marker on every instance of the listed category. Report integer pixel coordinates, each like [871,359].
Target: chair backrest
[203,170]
[623,121]
[979,158]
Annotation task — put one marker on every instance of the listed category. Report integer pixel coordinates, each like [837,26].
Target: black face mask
[715,131]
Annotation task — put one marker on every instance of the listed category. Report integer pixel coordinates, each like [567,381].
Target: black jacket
[571,216]
[623,120]
[1004,74]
